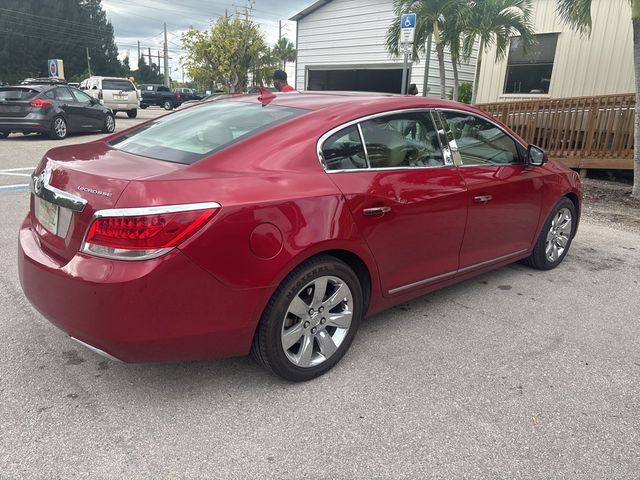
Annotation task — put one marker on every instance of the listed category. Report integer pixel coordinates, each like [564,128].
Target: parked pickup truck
[160,96]
[189,94]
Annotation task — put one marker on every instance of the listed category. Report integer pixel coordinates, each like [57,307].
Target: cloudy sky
[142,20]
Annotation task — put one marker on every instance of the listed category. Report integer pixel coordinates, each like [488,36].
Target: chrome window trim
[103,252]
[454,145]
[364,146]
[394,169]
[454,272]
[357,121]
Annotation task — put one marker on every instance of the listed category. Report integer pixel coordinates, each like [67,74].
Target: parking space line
[17,169]
[13,174]
[14,188]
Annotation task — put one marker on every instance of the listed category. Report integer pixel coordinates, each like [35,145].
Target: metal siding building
[599,64]
[338,39]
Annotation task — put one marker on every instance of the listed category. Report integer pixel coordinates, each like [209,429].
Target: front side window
[82,97]
[529,71]
[402,140]
[481,142]
[194,133]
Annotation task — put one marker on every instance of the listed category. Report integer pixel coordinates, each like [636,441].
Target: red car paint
[279,207]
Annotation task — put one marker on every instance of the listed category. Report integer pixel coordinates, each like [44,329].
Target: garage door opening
[359,80]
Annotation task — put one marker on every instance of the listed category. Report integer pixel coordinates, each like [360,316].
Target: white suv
[118,94]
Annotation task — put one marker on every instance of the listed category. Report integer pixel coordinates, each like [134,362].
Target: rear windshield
[194,133]
[120,85]
[9,94]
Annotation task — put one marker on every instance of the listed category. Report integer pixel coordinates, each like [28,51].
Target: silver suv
[118,94]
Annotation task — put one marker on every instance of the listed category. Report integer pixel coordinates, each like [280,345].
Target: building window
[530,71]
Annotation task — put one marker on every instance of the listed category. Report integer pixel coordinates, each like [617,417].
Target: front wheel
[132,113]
[4,135]
[555,238]
[167,105]
[310,321]
[109,124]
[59,129]
[143,107]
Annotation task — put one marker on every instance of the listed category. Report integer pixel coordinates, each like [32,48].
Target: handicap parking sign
[408,27]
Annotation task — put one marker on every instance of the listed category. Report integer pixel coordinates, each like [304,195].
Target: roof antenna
[266,96]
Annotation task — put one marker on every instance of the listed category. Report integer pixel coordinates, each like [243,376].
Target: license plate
[47,214]
[119,97]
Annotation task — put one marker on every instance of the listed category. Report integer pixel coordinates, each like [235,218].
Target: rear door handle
[376,211]
[483,198]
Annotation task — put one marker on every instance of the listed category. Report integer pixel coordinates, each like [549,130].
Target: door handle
[482,198]
[376,211]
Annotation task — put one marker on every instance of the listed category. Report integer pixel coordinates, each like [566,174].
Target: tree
[225,54]
[433,17]
[577,14]
[29,35]
[285,51]
[265,65]
[494,22]
[147,73]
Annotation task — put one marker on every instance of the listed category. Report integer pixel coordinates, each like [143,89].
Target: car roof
[354,102]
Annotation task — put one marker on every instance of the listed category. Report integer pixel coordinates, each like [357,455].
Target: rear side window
[194,133]
[402,140]
[344,151]
[119,85]
[17,94]
[164,89]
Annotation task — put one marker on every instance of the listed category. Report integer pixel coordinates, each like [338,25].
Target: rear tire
[132,113]
[310,321]
[144,107]
[4,135]
[59,129]
[555,238]
[109,123]
[167,105]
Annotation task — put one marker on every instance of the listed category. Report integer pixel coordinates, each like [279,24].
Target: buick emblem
[41,180]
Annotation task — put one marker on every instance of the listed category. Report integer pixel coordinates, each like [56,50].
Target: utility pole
[138,50]
[279,29]
[150,58]
[167,78]
[88,61]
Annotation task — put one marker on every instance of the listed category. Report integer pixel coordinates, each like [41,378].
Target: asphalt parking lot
[513,374]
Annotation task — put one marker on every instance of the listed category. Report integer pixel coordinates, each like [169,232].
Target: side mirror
[536,156]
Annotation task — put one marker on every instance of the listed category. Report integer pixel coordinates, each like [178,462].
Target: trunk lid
[72,183]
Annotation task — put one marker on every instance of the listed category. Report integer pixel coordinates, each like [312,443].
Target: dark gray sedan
[53,110]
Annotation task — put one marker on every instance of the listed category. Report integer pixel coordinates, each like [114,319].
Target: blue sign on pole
[408,20]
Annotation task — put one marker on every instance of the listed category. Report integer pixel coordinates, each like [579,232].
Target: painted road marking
[14,188]
[12,174]
[17,169]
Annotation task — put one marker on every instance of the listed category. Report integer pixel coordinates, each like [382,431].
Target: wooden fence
[582,132]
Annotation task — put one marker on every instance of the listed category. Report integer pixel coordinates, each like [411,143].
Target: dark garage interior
[360,80]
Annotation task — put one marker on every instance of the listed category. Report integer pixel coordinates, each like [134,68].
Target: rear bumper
[167,309]
[24,124]
[121,107]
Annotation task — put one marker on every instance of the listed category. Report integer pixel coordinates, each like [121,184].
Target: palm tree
[494,22]
[285,51]
[453,36]
[577,14]
[432,18]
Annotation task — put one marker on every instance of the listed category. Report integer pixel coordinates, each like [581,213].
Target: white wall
[353,33]
[584,66]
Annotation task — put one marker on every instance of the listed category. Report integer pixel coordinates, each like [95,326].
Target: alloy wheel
[317,321]
[559,234]
[60,127]
[110,123]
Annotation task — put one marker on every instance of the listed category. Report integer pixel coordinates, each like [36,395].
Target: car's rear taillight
[39,103]
[178,96]
[144,233]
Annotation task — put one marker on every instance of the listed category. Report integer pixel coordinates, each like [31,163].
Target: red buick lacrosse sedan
[273,225]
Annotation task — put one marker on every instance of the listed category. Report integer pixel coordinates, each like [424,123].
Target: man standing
[280,81]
